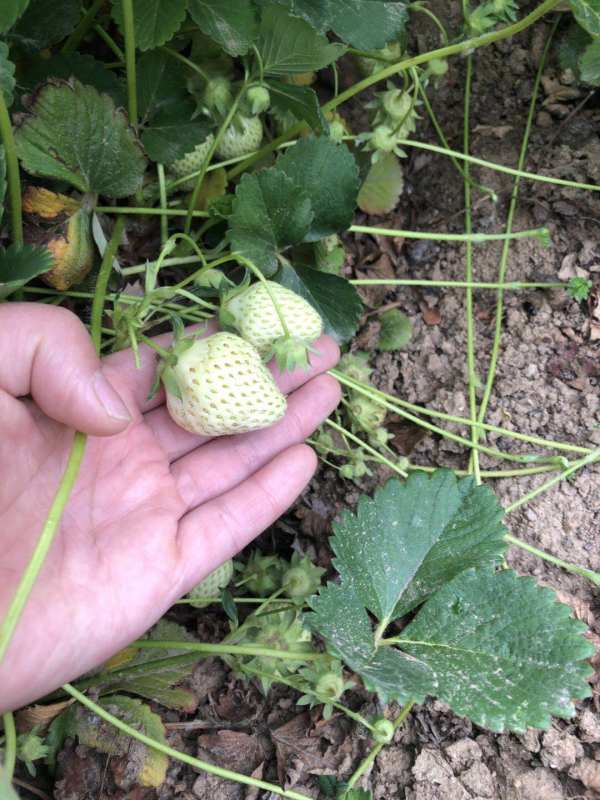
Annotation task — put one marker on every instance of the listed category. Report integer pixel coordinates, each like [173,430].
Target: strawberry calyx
[290,353]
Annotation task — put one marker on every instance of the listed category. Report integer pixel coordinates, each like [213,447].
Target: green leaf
[504,652]
[160,84]
[587,14]
[76,134]
[43,23]
[269,214]
[589,64]
[381,547]
[84,68]
[231,23]
[571,46]
[155,21]
[382,187]
[301,101]
[340,618]
[20,264]
[474,537]
[328,174]
[336,300]
[365,24]
[10,11]
[288,45]
[172,135]
[7,75]
[395,331]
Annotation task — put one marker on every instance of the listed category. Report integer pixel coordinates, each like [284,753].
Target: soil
[547,384]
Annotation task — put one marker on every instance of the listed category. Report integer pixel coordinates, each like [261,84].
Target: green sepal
[290,353]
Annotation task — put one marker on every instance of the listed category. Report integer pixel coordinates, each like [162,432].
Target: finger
[176,442]
[122,371]
[46,352]
[222,527]
[225,462]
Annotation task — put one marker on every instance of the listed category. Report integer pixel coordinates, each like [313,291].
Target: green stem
[401,66]
[110,42]
[164,219]
[471,375]
[168,212]
[512,285]
[102,282]
[188,63]
[376,749]
[469,237]
[365,446]
[10,746]
[487,393]
[129,32]
[493,473]
[15,609]
[12,169]
[228,649]
[588,574]
[208,157]
[204,766]
[531,176]
[82,28]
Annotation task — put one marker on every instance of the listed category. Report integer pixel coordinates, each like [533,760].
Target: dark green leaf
[230,23]
[381,547]
[366,24]
[587,14]
[336,300]
[10,11]
[301,101]
[160,84]
[45,23]
[7,75]
[172,133]
[76,134]
[328,174]
[2,181]
[59,729]
[155,21]
[269,214]
[504,652]
[83,68]
[289,45]
[382,187]
[474,537]
[395,331]
[589,63]
[19,264]
[340,618]
[229,606]
[571,46]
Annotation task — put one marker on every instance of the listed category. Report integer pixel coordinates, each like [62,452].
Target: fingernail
[109,398]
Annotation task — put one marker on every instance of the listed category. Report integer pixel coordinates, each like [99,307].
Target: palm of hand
[153,511]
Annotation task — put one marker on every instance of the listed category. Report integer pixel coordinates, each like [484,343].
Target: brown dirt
[547,384]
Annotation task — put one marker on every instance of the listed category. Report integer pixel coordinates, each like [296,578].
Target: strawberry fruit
[220,386]
[211,585]
[192,161]
[242,137]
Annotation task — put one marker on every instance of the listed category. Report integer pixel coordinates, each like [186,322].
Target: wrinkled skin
[154,508]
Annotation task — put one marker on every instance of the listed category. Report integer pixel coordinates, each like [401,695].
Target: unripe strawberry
[211,585]
[243,136]
[259,99]
[192,162]
[223,388]
[256,318]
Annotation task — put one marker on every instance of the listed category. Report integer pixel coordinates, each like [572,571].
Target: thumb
[46,352]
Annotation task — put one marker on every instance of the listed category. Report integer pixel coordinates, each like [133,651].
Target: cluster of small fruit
[365,416]
[219,385]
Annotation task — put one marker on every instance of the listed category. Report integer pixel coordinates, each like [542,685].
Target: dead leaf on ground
[406,436]
[232,749]
[382,269]
[431,316]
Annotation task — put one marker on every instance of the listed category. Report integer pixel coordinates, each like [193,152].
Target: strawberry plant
[211,138]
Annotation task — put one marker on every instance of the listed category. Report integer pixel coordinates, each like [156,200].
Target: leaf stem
[85,23]
[165,212]
[589,574]
[204,766]
[102,282]
[10,746]
[129,33]
[12,170]
[469,237]
[511,286]
[228,649]
[365,446]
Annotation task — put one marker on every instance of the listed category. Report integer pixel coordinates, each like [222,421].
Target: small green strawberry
[211,585]
[192,162]
[253,313]
[259,99]
[242,137]
[219,386]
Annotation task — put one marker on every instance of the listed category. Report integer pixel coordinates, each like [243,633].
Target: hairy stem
[12,170]
[129,32]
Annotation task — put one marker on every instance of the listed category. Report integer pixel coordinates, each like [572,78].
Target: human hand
[154,509]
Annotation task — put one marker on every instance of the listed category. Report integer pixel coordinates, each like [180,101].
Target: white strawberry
[254,315]
[211,585]
[220,386]
[242,137]
[192,162]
